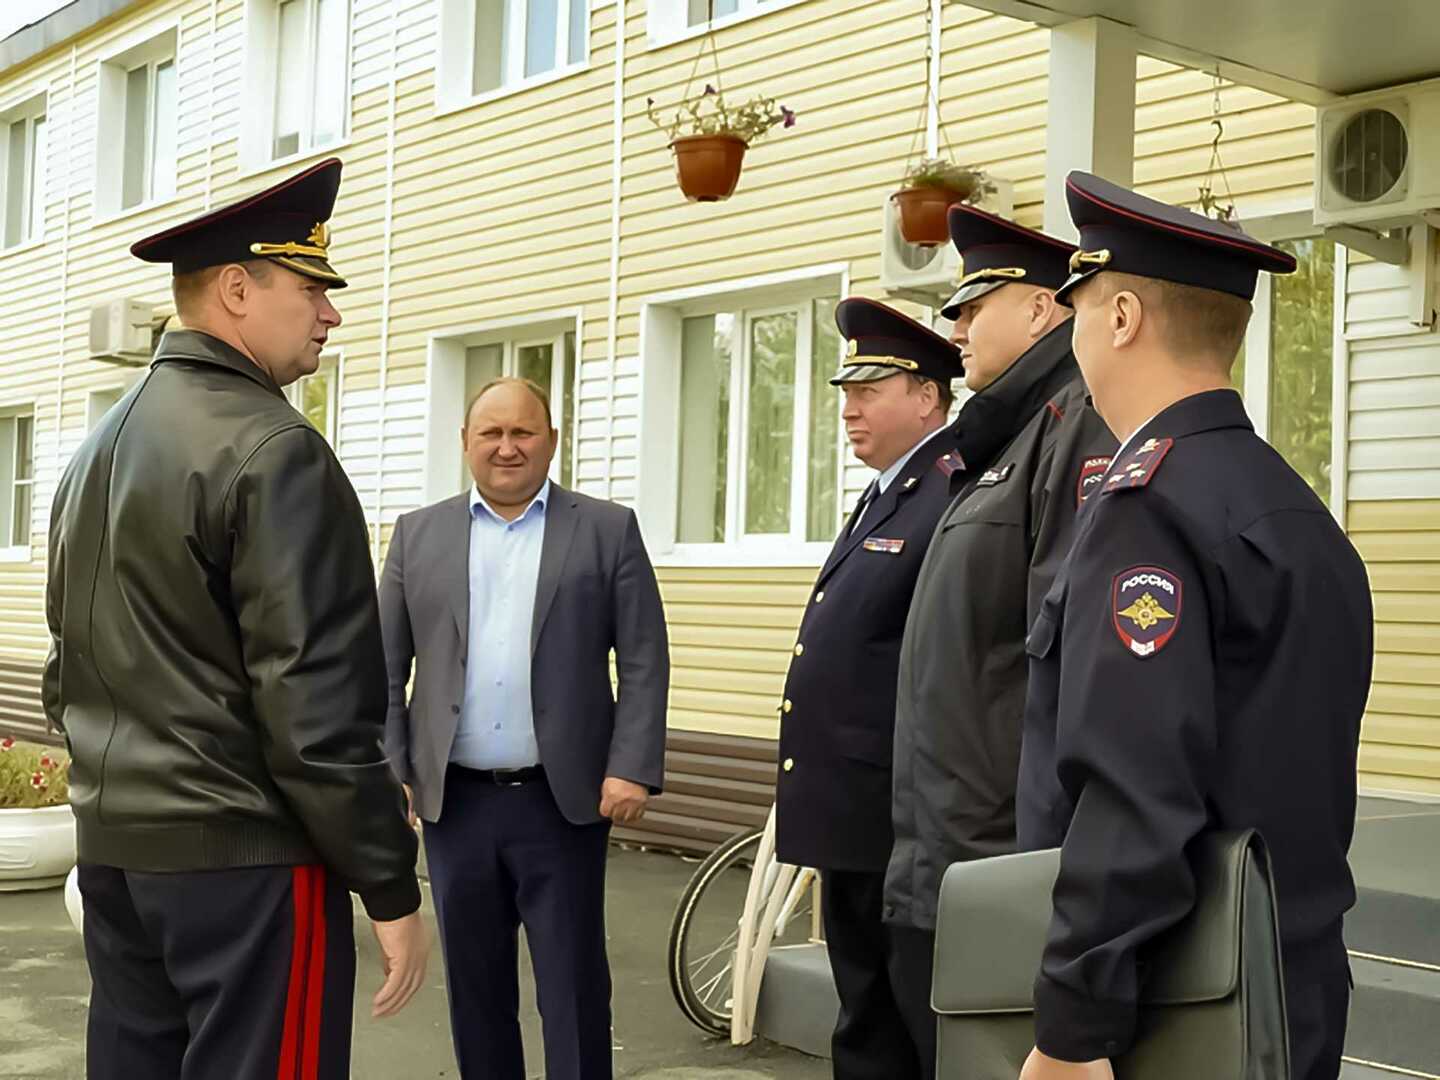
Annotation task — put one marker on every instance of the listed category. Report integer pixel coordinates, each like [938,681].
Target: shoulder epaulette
[1139,466]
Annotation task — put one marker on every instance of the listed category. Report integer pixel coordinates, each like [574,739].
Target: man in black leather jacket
[217,669]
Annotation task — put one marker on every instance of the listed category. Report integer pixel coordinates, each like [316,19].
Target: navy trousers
[872,1039]
[502,857]
[220,975]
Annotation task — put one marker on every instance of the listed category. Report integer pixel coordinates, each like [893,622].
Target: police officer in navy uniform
[218,672]
[832,800]
[1203,657]
[1032,452]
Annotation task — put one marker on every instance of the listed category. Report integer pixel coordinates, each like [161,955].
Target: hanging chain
[923,124]
[1210,204]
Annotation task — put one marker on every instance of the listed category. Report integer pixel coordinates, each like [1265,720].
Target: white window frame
[667,21]
[11,552]
[455,62]
[150,46]
[657,481]
[257,124]
[1298,223]
[32,106]
[332,363]
[96,398]
[445,385]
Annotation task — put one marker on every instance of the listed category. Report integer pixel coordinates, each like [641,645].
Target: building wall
[519,208]
[1393,515]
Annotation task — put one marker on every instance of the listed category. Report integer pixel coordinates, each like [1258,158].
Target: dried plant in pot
[709,139]
[930,187]
[37,829]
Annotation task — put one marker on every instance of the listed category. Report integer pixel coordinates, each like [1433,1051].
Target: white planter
[37,847]
[74,902]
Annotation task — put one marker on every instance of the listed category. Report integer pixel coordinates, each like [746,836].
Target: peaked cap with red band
[883,342]
[1126,232]
[996,252]
[285,223]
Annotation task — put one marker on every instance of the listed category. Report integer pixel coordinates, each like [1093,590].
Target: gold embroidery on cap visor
[1008,273]
[883,361]
[1079,260]
[317,245]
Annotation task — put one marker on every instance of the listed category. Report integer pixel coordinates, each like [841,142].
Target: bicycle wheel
[706,930]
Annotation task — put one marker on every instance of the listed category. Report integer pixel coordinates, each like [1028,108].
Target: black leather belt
[506,777]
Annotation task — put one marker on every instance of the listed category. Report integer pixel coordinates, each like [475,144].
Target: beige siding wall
[1400,541]
[502,210]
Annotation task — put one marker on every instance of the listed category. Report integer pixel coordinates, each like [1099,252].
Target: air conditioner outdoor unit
[120,332]
[927,275]
[1377,157]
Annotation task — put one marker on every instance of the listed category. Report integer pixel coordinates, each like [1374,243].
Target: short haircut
[511,380]
[1193,321]
[947,393]
[187,288]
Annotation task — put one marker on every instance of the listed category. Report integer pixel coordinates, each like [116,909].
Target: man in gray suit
[507,601]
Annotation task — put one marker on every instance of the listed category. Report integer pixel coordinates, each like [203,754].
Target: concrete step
[1395,1016]
[798,1005]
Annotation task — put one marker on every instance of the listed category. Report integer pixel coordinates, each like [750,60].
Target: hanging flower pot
[931,187]
[708,157]
[708,166]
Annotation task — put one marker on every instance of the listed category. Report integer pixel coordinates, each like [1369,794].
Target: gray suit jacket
[596,591]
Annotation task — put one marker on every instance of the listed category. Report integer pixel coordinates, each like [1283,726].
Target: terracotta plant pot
[708,166]
[923,213]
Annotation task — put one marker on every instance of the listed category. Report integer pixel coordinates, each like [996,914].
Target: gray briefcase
[1212,1008]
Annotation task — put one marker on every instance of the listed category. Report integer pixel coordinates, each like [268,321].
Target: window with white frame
[17,481]
[138,126]
[674,18]
[299,68]
[759,424]
[543,349]
[491,47]
[317,397]
[22,173]
[1286,368]
[549,362]
[100,402]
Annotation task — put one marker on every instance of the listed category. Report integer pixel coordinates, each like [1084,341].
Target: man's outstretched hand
[404,949]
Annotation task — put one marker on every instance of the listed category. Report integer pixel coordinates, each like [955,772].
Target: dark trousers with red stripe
[244,974]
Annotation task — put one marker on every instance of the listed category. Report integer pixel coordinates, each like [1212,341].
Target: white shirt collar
[893,471]
[541,499]
[1130,438]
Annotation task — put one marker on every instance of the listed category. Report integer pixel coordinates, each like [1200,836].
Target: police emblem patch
[1146,608]
[1092,472]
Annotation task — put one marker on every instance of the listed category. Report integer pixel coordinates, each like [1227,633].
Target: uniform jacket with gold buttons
[837,723]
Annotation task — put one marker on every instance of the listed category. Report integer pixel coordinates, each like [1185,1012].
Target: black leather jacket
[216,663]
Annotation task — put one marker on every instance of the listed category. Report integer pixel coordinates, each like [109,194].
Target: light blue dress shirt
[497,719]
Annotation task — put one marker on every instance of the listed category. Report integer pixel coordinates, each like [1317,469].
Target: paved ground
[44,987]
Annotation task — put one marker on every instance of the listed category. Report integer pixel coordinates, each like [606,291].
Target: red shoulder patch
[950,463]
[1092,474]
[1139,466]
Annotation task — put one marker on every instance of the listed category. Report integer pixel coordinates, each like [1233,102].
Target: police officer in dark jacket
[1032,452]
[217,670]
[832,799]
[1204,656]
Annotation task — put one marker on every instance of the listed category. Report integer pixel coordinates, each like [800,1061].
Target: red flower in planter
[7,744]
[47,762]
[38,781]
